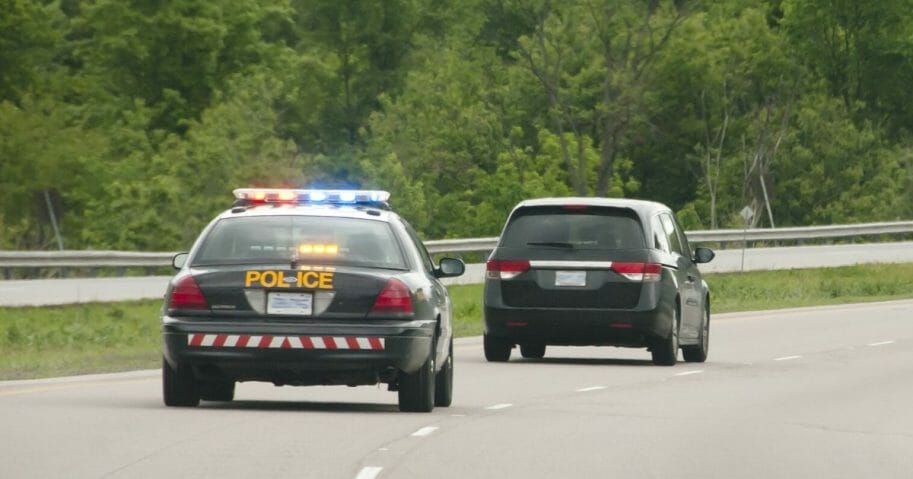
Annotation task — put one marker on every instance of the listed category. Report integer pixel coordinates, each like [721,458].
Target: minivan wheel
[532,350]
[665,350]
[698,353]
[496,349]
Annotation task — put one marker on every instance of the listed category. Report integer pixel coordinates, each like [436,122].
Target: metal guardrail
[125,259]
[720,236]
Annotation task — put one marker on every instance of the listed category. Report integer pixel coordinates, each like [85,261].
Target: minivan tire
[532,350]
[665,350]
[698,353]
[496,349]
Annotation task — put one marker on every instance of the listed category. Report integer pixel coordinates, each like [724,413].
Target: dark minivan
[594,272]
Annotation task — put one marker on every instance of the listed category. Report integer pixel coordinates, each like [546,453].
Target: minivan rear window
[310,239]
[579,228]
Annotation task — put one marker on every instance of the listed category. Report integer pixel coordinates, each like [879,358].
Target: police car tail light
[505,269]
[187,295]
[394,298]
[646,272]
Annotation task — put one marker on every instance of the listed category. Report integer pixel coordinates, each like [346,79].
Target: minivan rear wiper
[555,244]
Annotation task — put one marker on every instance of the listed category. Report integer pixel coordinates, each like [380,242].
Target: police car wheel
[217,390]
[416,390]
[496,349]
[443,382]
[179,388]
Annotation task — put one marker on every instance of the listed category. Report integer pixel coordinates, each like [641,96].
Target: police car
[308,287]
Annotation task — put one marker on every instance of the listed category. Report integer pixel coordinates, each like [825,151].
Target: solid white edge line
[787,358]
[369,472]
[881,343]
[499,406]
[588,389]
[425,431]
[688,373]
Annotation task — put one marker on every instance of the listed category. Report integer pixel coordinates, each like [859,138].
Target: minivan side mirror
[450,267]
[179,260]
[703,255]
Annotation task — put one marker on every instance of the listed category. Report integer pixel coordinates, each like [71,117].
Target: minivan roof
[642,207]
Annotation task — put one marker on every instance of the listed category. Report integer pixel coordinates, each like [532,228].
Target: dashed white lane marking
[425,431]
[369,472]
[588,389]
[499,406]
[384,449]
[882,343]
[457,415]
[787,358]
[688,373]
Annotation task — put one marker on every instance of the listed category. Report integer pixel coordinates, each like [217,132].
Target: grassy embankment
[52,341]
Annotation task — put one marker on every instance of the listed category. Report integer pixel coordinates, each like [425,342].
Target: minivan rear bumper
[639,326]
[578,327]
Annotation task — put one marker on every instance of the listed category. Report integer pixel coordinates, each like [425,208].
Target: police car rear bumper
[295,353]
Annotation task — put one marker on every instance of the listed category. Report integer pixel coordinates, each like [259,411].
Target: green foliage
[137,120]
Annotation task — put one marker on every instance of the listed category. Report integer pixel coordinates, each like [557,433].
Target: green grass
[76,339]
[106,337]
[754,291]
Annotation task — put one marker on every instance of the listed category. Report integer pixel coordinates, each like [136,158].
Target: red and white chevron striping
[283,342]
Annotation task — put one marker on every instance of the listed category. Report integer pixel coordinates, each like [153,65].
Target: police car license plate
[570,278]
[290,303]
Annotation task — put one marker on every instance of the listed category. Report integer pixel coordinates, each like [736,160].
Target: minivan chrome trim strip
[548,264]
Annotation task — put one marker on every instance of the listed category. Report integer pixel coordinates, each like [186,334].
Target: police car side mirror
[179,260]
[703,255]
[450,267]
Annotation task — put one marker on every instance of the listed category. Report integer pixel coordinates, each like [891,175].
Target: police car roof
[306,209]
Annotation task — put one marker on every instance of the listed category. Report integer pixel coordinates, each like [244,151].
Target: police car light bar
[336,197]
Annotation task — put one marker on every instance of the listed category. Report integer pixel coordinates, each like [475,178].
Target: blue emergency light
[291,196]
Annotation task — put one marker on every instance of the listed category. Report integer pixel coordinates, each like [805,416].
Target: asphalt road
[820,392]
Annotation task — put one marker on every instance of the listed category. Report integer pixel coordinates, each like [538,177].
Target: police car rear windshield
[573,227]
[307,239]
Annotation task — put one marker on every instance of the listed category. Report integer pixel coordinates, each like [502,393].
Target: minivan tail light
[505,268]
[394,298]
[646,272]
[187,295]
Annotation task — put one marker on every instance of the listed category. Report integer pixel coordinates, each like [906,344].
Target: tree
[592,60]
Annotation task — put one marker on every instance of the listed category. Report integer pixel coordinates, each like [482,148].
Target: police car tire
[443,382]
[179,388]
[217,390]
[496,349]
[416,390]
[532,350]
